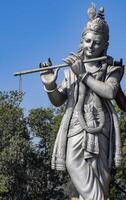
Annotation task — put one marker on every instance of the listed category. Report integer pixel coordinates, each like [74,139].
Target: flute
[56,66]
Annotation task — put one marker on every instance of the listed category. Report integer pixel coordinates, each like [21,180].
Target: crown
[97,22]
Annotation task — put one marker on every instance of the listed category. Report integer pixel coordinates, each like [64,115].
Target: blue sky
[33,30]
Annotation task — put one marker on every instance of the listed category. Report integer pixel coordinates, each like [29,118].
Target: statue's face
[93,45]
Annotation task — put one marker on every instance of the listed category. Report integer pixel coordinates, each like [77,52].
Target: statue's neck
[92,67]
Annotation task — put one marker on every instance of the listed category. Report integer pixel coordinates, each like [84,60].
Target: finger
[68,60]
[74,55]
[49,62]
[46,71]
[72,59]
[64,60]
[49,65]
[40,66]
[43,64]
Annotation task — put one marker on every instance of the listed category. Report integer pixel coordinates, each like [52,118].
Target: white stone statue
[89,137]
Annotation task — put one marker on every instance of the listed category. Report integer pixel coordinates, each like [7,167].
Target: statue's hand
[48,77]
[76,64]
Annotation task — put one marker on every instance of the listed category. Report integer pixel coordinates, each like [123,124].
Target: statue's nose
[91,44]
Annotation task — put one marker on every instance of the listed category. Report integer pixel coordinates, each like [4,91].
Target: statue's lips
[89,50]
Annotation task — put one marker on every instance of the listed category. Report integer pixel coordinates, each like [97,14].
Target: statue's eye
[97,42]
[87,40]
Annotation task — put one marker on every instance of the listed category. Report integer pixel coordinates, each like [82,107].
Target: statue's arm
[56,96]
[107,89]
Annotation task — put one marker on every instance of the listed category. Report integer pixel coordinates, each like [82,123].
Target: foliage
[25,172]
[48,183]
[14,146]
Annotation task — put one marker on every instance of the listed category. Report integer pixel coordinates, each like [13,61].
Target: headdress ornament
[97,22]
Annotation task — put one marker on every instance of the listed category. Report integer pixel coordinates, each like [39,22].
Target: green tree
[47,184]
[14,147]
[25,172]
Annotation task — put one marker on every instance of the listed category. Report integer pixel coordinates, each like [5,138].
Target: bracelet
[50,91]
